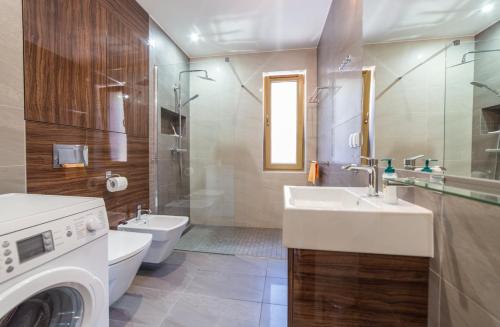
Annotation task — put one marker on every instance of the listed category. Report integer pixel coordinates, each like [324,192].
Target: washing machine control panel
[29,248]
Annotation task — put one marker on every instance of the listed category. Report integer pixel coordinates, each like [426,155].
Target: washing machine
[53,261]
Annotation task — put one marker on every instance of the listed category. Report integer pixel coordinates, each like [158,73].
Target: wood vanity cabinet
[330,289]
[86,64]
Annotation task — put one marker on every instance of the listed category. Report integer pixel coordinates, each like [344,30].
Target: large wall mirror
[432,84]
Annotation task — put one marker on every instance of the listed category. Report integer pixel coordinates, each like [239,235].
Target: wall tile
[471,250]
[13,179]
[434,299]
[12,137]
[458,310]
[11,54]
[433,202]
[341,103]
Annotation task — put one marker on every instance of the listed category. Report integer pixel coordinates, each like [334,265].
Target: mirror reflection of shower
[485,86]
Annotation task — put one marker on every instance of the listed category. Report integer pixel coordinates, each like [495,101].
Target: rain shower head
[463,63]
[482,85]
[207,78]
[204,76]
[464,57]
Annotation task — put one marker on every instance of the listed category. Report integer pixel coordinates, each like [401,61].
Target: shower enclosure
[209,152]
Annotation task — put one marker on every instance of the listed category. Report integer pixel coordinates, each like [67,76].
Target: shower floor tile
[256,242]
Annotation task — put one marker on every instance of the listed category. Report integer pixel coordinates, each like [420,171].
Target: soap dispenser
[390,192]
[427,168]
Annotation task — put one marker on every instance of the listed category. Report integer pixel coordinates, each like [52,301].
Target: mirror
[432,84]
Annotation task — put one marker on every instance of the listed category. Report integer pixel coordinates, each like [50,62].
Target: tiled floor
[257,242]
[206,290]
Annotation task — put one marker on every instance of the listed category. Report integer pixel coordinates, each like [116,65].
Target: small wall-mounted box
[70,156]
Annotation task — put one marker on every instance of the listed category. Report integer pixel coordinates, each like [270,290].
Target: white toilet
[166,232]
[125,253]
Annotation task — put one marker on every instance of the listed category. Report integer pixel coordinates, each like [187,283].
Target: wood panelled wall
[86,82]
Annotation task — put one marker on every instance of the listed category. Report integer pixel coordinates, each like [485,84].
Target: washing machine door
[70,297]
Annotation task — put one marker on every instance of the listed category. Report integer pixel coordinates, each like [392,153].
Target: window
[284,122]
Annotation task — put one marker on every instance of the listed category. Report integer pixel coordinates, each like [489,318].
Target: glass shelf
[446,189]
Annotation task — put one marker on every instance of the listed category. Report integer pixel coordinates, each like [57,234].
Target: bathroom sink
[346,219]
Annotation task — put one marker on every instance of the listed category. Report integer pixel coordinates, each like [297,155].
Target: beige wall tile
[458,310]
[471,252]
[13,179]
[11,54]
[12,137]
[433,202]
[434,299]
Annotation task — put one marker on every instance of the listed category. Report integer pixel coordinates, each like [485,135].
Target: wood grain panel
[68,79]
[130,13]
[118,152]
[63,60]
[350,289]
[128,78]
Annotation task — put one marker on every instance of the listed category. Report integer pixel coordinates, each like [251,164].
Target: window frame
[300,150]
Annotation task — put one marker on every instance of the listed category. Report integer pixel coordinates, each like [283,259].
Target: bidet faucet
[139,213]
[372,170]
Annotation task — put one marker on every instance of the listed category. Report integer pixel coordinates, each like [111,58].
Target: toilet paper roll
[116,184]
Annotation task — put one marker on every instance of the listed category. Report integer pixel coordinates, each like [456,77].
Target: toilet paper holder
[109,174]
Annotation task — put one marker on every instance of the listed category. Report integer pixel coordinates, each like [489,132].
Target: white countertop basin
[346,219]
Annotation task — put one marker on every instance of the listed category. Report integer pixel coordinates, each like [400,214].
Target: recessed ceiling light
[487,8]
[195,37]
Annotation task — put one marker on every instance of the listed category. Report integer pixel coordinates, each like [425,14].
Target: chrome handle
[415,157]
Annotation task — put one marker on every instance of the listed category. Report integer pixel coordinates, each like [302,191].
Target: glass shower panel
[171,150]
[213,142]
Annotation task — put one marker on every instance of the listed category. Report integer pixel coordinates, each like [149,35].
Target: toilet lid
[123,245]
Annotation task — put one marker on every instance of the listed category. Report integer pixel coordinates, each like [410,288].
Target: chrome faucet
[411,163]
[140,211]
[372,170]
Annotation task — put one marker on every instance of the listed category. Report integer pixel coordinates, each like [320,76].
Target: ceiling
[397,20]
[240,26]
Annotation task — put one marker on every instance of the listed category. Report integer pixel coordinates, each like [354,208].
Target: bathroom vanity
[354,260]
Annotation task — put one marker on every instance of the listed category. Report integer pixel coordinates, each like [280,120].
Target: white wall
[409,117]
[228,184]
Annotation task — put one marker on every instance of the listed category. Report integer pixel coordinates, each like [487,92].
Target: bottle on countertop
[390,192]
[427,168]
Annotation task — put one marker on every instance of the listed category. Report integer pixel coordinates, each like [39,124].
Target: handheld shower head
[190,99]
[482,85]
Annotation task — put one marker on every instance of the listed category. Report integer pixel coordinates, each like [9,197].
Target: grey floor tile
[273,315]
[221,263]
[141,305]
[171,278]
[277,268]
[228,286]
[118,323]
[205,311]
[275,291]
